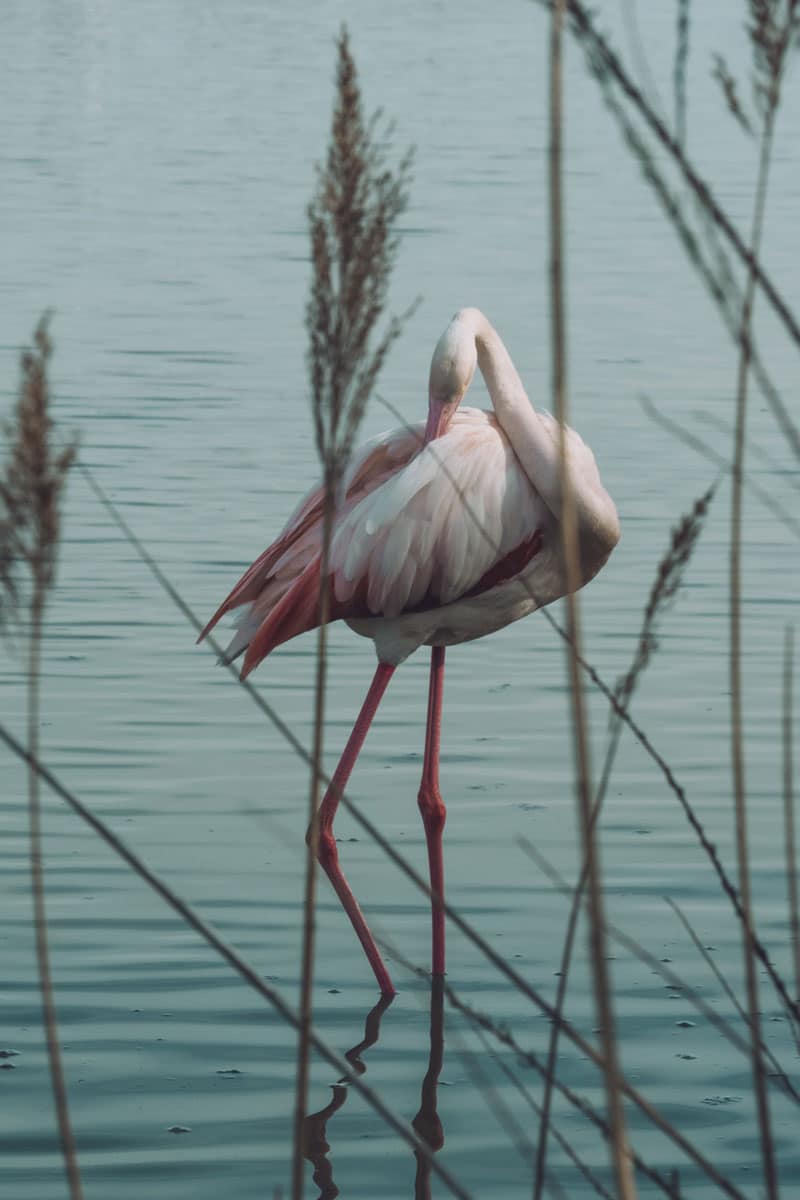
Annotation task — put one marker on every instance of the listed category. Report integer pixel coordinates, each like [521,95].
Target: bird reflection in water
[315,1144]
[426,1122]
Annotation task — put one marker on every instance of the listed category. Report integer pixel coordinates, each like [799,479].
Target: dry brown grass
[352,220]
[31,485]
[603,992]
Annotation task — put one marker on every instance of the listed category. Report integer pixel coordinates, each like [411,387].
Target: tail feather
[257,575]
[281,588]
[296,612]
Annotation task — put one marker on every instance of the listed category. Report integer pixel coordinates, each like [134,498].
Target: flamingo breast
[438,529]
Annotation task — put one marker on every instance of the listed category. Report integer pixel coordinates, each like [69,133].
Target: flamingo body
[435,542]
[442,533]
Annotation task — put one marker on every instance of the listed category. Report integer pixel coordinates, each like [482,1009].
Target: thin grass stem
[506,1038]
[729,992]
[668,577]
[674,980]
[638,53]
[558,1137]
[32,478]
[754,450]
[501,1111]
[789,839]
[735,671]
[50,1019]
[618,1142]
[709,961]
[312,847]
[679,71]
[684,435]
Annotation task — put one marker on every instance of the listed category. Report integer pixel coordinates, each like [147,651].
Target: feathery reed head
[31,483]
[730,92]
[773,27]
[669,577]
[352,220]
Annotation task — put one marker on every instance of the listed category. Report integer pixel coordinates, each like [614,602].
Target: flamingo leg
[327,852]
[432,806]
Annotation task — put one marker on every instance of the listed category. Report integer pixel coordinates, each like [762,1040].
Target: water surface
[157,162]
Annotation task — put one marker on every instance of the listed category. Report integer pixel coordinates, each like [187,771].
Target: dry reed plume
[30,492]
[352,220]
[30,489]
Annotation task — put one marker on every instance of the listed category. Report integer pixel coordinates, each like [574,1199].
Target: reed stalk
[353,245]
[310,885]
[701,447]
[618,1142]
[505,1037]
[679,71]
[30,491]
[754,450]
[789,839]
[668,579]
[769,45]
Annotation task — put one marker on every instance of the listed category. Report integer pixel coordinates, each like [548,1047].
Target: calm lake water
[157,159]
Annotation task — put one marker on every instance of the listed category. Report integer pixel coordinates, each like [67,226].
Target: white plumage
[449,509]
[441,534]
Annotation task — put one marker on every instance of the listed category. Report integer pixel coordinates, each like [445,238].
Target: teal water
[157,161]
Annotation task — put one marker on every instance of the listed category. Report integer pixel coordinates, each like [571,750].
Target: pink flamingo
[442,534]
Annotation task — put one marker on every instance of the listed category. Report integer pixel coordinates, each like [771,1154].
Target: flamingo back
[416,530]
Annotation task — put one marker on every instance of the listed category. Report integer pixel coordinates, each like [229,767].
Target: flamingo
[443,533]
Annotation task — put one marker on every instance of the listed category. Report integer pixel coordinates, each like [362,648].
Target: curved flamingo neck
[471,340]
[501,377]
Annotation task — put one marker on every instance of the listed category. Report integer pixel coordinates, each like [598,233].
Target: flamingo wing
[418,529]
[283,563]
[440,529]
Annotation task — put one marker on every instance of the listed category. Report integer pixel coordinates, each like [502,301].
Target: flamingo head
[452,368]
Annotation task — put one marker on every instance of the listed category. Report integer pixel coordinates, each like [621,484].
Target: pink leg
[327,853]
[432,806]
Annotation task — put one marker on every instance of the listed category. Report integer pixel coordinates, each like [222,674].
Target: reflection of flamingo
[441,535]
[426,1122]
[315,1143]
[316,1147]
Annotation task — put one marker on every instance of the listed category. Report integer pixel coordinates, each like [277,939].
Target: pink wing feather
[282,585]
[256,577]
[408,546]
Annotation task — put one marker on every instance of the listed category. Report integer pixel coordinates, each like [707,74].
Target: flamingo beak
[440,414]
